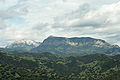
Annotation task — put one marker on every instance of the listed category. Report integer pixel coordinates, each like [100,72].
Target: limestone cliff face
[83,41]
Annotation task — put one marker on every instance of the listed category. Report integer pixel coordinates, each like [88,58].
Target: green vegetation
[47,66]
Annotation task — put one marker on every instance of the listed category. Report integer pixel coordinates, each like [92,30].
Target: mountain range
[60,58]
[66,46]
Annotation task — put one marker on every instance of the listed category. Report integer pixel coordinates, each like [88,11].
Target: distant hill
[75,46]
[23,45]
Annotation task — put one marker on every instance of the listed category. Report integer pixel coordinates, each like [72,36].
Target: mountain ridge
[64,46]
[76,46]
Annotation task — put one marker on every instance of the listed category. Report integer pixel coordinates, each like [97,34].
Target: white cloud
[60,18]
[102,22]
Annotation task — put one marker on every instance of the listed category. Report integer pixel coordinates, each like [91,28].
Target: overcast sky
[38,19]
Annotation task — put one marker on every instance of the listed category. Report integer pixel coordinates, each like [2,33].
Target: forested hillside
[47,66]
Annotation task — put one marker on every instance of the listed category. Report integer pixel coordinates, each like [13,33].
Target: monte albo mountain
[75,46]
[65,46]
[60,58]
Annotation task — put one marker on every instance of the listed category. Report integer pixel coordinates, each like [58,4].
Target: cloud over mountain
[37,19]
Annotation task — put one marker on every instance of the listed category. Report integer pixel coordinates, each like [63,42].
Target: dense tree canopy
[47,66]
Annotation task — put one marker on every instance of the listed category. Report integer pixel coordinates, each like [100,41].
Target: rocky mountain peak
[23,45]
[28,42]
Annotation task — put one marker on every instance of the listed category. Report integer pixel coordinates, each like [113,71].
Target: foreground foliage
[47,66]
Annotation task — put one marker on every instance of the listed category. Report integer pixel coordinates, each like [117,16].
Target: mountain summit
[76,46]
[24,45]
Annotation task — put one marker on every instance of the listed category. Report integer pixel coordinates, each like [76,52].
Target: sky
[38,19]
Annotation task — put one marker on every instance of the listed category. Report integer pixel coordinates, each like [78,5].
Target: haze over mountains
[66,46]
